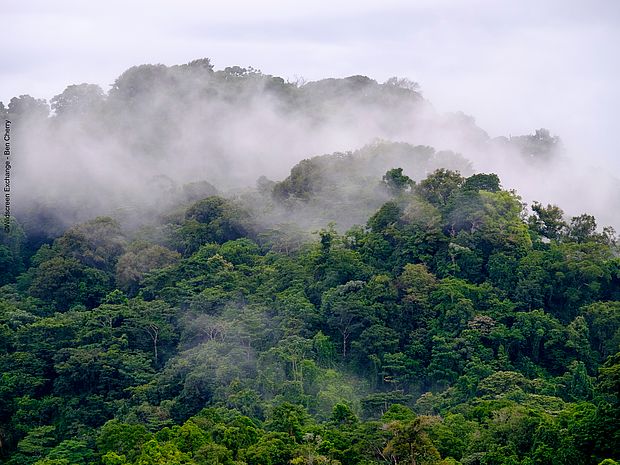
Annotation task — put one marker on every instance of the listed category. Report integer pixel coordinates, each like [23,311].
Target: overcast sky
[513,65]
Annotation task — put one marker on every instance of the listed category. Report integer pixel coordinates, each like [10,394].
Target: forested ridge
[387,305]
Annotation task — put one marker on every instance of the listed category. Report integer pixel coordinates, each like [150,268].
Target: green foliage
[213,219]
[547,221]
[388,215]
[139,259]
[439,186]
[449,329]
[304,180]
[122,439]
[410,443]
[64,283]
[481,181]
[287,418]
[396,182]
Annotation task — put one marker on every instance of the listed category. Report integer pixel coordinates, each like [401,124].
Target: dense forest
[385,305]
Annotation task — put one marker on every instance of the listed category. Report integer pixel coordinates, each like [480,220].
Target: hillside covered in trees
[181,297]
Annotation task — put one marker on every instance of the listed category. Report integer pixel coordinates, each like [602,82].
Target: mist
[148,144]
[514,66]
[511,68]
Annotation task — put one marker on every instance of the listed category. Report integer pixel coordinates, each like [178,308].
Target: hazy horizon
[514,67]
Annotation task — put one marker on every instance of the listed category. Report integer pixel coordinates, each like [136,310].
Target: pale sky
[513,65]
